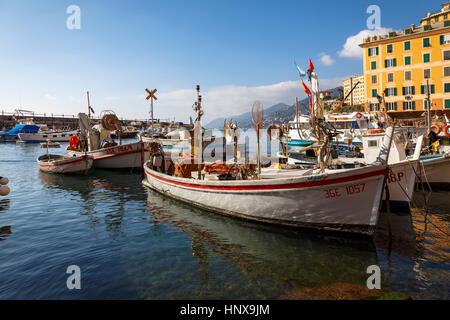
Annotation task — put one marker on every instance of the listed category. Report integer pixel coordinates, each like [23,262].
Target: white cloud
[49,96]
[351,47]
[326,59]
[231,100]
[110,98]
[71,98]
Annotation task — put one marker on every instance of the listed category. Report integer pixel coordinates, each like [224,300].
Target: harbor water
[133,243]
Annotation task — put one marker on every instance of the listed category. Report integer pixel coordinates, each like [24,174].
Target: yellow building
[399,65]
[358,95]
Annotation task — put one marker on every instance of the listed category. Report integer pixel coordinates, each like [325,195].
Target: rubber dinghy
[52,163]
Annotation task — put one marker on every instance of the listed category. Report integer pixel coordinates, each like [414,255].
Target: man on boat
[433,141]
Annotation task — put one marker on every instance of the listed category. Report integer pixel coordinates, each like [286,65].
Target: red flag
[311,67]
[310,104]
[306,88]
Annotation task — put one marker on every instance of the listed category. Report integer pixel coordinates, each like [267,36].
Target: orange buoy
[373,131]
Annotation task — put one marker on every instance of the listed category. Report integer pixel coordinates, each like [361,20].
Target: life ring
[438,129]
[373,131]
[447,130]
[359,116]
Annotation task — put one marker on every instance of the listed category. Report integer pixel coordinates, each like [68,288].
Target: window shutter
[395,91]
[422,89]
[376,50]
[404,91]
[385,63]
[414,105]
[395,62]
[413,90]
[432,88]
[441,39]
[369,52]
[386,92]
[395,106]
[404,104]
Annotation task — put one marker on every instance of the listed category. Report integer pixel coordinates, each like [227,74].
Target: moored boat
[52,163]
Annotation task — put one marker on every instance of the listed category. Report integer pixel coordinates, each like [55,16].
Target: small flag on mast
[310,69]
[307,91]
[301,73]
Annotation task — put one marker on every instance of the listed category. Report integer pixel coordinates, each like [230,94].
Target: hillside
[279,113]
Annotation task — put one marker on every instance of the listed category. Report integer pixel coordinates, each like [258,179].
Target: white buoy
[4,181]
[4,191]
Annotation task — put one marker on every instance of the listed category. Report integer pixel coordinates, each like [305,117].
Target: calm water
[132,243]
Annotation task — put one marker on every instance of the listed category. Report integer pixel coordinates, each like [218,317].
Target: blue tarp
[22,128]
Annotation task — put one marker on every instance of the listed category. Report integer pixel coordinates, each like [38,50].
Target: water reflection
[5,232]
[265,256]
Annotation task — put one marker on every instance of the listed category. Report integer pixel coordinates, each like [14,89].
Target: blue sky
[238,51]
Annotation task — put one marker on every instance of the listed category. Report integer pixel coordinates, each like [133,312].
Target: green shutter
[426,57]
[447,87]
[432,88]
[395,106]
[376,50]
[413,90]
[447,23]
[441,39]
[385,63]
[395,62]
[447,104]
[404,103]
[389,48]
[369,52]
[422,89]
[414,105]
[407,61]
[395,91]
[407,45]
[403,91]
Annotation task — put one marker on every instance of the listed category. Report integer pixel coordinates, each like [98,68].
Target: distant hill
[279,113]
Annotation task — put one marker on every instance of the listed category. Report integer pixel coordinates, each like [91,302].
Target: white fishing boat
[97,144]
[351,126]
[53,136]
[435,170]
[52,163]
[347,200]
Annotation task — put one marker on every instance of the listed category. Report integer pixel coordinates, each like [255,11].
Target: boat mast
[198,132]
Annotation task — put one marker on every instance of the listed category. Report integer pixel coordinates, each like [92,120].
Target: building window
[373,51]
[425,104]
[426,58]
[407,45]
[428,27]
[374,107]
[436,19]
[447,87]
[409,105]
[423,89]
[426,42]
[374,79]
[446,71]
[447,104]
[373,65]
[408,91]
[446,23]
[407,61]
[389,92]
[389,48]
[426,73]
[390,63]
[390,77]
[445,16]
[444,39]
[391,106]
[374,93]
[407,75]
[447,55]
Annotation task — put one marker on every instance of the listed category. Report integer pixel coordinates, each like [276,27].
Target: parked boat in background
[43,136]
[435,170]
[12,135]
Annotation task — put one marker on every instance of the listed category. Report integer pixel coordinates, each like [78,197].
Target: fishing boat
[52,163]
[106,153]
[435,170]
[42,136]
[346,200]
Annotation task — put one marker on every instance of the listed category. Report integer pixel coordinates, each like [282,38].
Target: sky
[237,51]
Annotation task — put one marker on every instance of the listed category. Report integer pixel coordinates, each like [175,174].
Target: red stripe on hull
[275,186]
[62,164]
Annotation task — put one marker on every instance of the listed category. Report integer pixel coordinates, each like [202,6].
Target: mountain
[279,113]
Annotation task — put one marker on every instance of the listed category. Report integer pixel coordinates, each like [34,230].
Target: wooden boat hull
[118,157]
[345,201]
[72,165]
[437,170]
